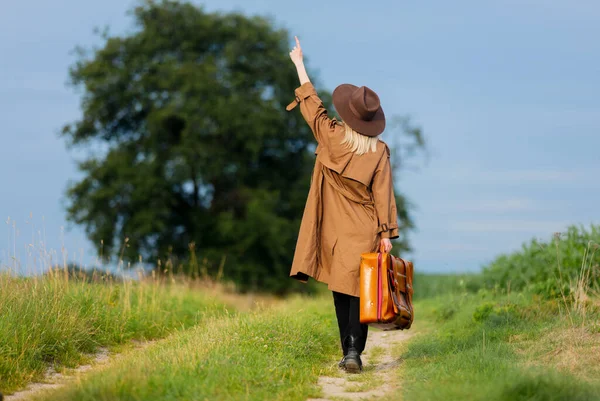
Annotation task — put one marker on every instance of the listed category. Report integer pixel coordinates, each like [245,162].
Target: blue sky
[506,92]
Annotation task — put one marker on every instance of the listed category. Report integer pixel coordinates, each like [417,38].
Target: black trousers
[347,310]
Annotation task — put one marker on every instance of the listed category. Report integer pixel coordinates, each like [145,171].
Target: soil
[53,380]
[337,388]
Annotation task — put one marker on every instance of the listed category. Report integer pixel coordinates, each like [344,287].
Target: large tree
[189,143]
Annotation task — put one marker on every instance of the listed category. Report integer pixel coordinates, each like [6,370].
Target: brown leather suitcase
[386,291]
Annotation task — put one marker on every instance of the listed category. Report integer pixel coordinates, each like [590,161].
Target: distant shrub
[568,264]
[433,285]
[445,312]
[496,315]
[483,311]
[79,273]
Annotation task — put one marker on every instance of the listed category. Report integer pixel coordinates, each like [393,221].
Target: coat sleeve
[385,201]
[314,113]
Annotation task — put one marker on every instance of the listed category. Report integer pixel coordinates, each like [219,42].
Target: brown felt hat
[360,109]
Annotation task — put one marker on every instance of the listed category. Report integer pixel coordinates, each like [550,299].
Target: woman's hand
[296,53]
[385,244]
[296,56]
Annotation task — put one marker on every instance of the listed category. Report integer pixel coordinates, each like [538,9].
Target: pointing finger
[297,41]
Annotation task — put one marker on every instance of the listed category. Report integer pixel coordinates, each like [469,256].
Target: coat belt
[343,191]
[350,196]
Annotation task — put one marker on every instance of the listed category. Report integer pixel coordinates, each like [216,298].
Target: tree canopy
[190,146]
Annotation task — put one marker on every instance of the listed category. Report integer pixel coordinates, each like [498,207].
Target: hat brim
[341,96]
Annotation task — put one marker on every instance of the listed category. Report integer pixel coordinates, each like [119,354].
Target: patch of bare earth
[53,380]
[375,381]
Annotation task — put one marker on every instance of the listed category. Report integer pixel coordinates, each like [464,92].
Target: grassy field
[479,340]
[474,344]
[510,347]
[511,333]
[271,354]
[59,321]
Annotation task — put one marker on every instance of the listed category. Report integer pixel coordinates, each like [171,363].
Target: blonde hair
[357,142]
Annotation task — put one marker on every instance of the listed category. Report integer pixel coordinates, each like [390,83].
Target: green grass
[470,344]
[56,320]
[528,328]
[500,347]
[375,354]
[273,354]
[563,267]
[435,285]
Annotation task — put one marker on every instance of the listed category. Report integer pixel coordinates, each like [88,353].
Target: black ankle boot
[352,362]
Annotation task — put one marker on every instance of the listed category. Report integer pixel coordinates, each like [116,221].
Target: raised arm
[311,105]
[298,60]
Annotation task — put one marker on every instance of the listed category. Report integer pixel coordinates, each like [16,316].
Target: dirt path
[376,380]
[53,380]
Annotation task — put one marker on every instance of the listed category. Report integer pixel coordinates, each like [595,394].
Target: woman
[351,208]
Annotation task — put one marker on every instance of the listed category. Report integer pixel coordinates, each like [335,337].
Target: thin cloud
[498,206]
[508,226]
[474,175]
[463,247]
[585,10]
[37,82]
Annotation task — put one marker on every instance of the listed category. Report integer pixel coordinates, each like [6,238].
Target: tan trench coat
[350,205]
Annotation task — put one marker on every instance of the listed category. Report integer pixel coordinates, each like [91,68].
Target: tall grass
[567,266]
[56,320]
[271,354]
